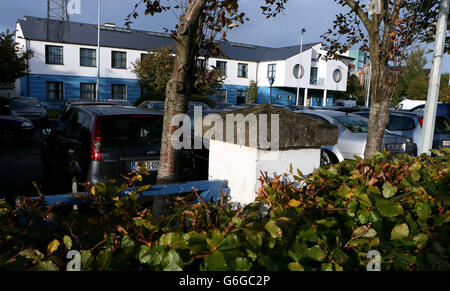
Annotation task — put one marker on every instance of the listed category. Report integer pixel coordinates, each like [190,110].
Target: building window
[222,66]
[143,57]
[241,97]
[55,91]
[201,63]
[88,57]
[242,70]
[119,92]
[88,91]
[54,55]
[119,60]
[221,96]
[337,75]
[298,71]
[271,70]
[314,73]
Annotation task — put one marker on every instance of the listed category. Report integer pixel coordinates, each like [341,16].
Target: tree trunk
[178,91]
[382,89]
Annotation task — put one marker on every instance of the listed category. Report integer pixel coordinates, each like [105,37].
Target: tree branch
[361,14]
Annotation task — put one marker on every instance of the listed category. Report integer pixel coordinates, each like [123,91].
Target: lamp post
[271,80]
[297,101]
[98,50]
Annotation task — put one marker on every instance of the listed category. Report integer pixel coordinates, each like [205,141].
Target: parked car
[410,125]
[100,143]
[220,105]
[153,105]
[443,109]
[352,136]
[118,102]
[13,127]
[408,104]
[344,103]
[77,102]
[29,108]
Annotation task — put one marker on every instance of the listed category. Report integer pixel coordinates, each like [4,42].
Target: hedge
[329,220]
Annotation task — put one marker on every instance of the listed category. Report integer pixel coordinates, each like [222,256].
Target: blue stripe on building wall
[38,87]
[283,96]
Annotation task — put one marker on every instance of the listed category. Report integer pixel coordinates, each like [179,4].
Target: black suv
[103,143]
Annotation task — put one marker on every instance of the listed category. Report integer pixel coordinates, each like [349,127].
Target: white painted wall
[71,66]
[241,166]
[232,71]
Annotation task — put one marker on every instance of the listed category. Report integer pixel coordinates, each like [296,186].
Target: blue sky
[314,15]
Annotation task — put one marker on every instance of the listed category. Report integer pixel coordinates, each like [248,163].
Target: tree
[153,71]
[417,88]
[354,90]
[252,92]
[200,24]
[387,32]
[13,62]
[413,69]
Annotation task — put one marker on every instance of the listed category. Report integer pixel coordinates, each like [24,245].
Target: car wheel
[325,158]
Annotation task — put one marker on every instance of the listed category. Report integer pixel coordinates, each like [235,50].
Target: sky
[316,16]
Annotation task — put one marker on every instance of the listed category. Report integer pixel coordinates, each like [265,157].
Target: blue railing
[210,191]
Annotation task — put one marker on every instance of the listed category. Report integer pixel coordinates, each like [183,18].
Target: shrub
[329,220]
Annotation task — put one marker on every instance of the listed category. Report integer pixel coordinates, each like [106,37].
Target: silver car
[352,136]
[152,105]
[410,125]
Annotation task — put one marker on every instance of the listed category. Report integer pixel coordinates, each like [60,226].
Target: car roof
[330,113]
[107,110]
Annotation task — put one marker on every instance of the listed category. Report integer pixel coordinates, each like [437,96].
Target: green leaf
[327,222]
[343,190]
[339,256]
[364,200]
[127,241]
[47,266]
[442,218]
[363,216]
[389,208]
[400,231]
[35,255]
[169,238]
[172,261]
[352,207]
[423,210]
[389,190]
[295,266]
[316,253]
[421,240]
[53,246]
[243,264]
[326,267]
[151,256]
[298,251]
[67,242]
[309,235]
[215,262]
[274,230]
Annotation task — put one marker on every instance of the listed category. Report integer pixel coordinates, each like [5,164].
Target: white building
[64,65]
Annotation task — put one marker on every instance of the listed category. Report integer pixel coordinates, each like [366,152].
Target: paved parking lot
[20,166]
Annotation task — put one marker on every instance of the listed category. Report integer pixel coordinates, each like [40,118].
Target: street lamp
[299,66]
[271,80]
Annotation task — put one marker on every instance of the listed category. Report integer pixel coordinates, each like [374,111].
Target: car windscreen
[158,105]
[17,103]
[442,125]
[355,124]
[400,123]
[131,130]
[204,106]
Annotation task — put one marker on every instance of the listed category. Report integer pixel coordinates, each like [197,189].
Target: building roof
[51,30]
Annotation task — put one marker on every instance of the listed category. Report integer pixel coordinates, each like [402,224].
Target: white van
[407,104]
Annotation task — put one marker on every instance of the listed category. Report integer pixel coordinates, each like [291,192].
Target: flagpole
[98,51]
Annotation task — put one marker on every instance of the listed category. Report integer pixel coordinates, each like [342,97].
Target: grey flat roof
[42,29]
